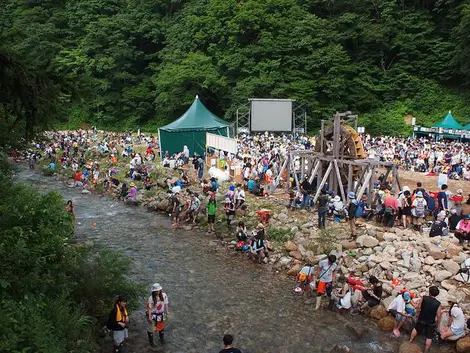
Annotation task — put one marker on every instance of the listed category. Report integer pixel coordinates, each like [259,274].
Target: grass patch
[279,235]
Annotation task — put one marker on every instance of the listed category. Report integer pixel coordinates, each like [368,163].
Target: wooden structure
[339,160]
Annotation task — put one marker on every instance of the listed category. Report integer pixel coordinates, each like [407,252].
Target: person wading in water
[157,310]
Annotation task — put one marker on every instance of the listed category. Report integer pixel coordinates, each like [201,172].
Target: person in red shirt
[391,206]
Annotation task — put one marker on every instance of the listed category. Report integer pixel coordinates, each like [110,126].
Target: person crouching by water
[325,275]
[157,311]
[118,322]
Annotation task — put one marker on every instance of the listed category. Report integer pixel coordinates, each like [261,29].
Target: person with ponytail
[455,324]
[157,311]
[118,322]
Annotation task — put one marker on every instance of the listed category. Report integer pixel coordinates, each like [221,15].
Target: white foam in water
[374,347]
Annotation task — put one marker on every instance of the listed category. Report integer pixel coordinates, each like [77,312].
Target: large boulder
[163,204]
[436,252]
[290,246]
[407,347]
[442,275]
[390,237]
[387,323]
[348,244]
[463,345]
[367,241]
[453,250]
[451,266]
[378,312]
[296,255]
[294,270]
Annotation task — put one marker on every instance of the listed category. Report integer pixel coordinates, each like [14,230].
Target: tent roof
[198,118]
[449,122]
[467,127]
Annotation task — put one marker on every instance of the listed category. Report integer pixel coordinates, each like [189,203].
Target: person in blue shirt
[251,185]
[214,185]
[442,198]
[52,165]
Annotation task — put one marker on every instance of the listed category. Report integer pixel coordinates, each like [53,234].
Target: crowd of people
[261,156]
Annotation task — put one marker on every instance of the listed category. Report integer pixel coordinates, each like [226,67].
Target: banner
[223,143]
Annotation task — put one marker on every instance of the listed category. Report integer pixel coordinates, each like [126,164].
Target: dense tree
[139,62]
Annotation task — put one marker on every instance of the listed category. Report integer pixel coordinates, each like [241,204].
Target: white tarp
[223,143]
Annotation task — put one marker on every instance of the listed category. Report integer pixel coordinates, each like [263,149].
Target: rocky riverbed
[214,290]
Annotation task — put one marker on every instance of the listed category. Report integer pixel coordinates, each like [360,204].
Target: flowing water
[212,291]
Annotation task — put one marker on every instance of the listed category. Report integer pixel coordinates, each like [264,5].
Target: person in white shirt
[456,324]
[397,309]
[240,196]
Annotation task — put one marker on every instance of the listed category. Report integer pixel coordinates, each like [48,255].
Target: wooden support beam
[284,165]
[365,184]
[350,177]
[340,184]
[292,163]
[322,183]
[314,171]
[370,196]
[302,167]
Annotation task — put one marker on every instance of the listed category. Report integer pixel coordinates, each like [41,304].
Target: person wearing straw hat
[157,312]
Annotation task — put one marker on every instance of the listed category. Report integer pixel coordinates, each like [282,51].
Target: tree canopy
[128,63]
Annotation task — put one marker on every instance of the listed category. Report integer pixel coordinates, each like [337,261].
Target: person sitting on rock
[372,296]
[455,324]
[241,232]
[398,309]
[439,227]
[258,248]
[462,231]
[337,207]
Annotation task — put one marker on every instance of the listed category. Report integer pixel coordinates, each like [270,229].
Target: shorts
[211,218]
[458,332]
[324,288]
[120,336]
[426,328]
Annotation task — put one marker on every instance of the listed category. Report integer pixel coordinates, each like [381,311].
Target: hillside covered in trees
[139,63]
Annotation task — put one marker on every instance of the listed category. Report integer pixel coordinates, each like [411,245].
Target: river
[211,291]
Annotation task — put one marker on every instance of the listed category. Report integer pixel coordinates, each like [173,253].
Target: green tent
[190,130]
[467,127]
[448,122]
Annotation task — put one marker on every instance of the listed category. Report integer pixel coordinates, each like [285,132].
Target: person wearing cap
[157,312]
[229,206]
[351,215]
[462,231]
[118,321]
[211,211]
[398,309]
[439,226]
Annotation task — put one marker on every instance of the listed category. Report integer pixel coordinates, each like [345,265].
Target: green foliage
[52,293]
[128,64]
[280,235]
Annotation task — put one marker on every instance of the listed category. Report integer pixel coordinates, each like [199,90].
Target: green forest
[125,64]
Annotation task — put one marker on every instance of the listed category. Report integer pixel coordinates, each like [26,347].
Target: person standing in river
[157,311]
[118,322]
[211,211]
[429,309]
[228,340]
[325,275]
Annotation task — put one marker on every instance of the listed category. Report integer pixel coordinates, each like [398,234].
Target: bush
[54,295]
[48,171]
[279,234]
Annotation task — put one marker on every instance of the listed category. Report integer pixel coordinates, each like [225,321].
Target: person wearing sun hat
[131,194]
[157,312]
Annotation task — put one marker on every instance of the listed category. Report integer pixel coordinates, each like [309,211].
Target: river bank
[212,291]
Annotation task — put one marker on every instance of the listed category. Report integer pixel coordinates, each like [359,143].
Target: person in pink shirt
[390,205]
[462,231]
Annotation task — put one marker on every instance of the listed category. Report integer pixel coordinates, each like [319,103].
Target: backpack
[420,210]
[110,322]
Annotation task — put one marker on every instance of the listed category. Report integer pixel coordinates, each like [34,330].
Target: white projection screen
[273,115]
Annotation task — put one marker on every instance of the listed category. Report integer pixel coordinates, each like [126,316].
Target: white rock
[294,229]
[415,265]
[429,260]
[411,275]
[385,265]
[390,237]
[367,241]
[85,191]
[439,276]
[285,261]
[451,266]
[283,217]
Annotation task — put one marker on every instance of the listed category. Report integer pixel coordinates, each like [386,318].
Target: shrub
[279,234]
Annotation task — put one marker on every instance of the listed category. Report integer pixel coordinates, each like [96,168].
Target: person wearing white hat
[157,311]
